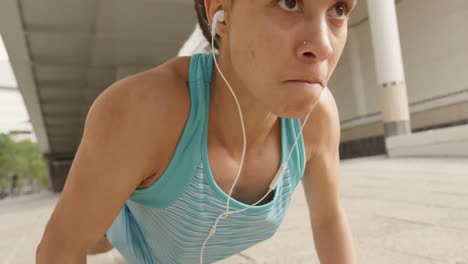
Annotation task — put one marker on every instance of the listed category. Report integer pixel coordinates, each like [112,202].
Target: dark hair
[204,24]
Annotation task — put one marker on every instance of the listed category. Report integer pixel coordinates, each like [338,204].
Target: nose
[315,45]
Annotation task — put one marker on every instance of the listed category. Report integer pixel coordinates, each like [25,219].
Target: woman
[161,150]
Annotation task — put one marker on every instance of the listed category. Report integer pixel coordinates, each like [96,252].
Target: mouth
[305,83]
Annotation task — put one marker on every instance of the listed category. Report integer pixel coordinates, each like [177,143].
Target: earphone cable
[278,175]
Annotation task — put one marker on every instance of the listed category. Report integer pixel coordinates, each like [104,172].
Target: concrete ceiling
[66,52]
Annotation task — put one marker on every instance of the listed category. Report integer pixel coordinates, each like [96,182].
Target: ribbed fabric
[168,221]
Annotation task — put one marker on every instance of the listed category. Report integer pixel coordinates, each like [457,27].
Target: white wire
[244,147]
[227,212]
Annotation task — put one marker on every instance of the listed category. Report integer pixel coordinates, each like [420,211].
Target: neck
[225,123]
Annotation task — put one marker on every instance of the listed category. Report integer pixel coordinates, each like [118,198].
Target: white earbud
[218,17]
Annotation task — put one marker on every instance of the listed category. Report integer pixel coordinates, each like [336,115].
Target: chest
[257,173]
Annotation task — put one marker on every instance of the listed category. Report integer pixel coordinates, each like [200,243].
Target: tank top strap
[187,156]
[296,164]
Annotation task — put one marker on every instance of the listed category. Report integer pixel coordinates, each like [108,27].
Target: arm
[332,235]
[102,246]
[118,151]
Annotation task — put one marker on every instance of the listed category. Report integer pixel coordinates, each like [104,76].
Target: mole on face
[252,53]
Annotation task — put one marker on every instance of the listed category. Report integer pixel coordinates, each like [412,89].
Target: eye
[340,10]
[289,5]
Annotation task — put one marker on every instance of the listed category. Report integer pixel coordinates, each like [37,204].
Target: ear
[211,7]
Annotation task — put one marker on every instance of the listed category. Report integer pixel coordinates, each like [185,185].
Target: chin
[297,111]
[299,108]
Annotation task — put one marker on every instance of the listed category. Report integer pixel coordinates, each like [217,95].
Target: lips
[304,83]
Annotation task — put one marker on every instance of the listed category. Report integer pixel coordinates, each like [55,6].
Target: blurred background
[401,87]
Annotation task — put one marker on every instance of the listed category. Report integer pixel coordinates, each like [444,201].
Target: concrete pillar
[58,169]
[356,73]
[389,64]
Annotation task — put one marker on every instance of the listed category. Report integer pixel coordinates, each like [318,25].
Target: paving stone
[406,210]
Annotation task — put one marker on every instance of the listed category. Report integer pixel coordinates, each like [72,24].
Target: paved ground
[408,211]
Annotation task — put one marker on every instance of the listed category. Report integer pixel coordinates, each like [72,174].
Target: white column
[389,63]
[356,73]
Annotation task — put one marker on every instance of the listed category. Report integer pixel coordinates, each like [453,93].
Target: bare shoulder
[321,178]
[156,104]
[159,87]
[322,131]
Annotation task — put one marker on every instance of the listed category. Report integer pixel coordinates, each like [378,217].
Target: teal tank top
[168,221]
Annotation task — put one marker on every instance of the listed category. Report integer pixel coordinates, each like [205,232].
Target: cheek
[253,59]
[264,55]
[256,49]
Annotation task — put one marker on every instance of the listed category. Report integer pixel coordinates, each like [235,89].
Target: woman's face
[278,46]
